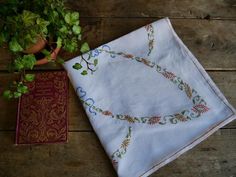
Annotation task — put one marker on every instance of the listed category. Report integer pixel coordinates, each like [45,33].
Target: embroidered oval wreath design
[199,104]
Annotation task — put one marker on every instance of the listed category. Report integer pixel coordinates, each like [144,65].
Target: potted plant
[34,31]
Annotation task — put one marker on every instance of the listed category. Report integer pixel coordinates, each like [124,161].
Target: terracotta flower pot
[38,46]
[45,60]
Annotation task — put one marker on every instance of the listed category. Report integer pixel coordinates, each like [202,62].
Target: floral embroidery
[199,104]
[121,151]
[107,113]
[200,108]
[188,90]
[168,75]
[150,33]
[154,120]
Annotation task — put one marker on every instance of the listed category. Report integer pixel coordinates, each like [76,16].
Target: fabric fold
[149,100]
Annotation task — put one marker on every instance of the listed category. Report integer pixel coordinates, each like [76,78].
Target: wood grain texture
[83,156]
[214,9]
[212,42]
[207,27]
[78,120]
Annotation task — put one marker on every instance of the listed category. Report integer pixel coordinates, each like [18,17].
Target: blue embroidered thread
[96,52]
[81,91]
[90,105]
[83,94]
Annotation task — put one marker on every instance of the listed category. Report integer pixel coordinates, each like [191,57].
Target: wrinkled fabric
[149,99]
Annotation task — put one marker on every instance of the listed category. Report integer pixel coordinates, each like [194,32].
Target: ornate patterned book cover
[43,111]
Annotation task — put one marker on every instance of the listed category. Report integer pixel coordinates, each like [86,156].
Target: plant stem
[88,64]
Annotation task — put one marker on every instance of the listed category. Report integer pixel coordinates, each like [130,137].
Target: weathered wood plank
[83,156]
[78,120]
[217,9]
[213,42]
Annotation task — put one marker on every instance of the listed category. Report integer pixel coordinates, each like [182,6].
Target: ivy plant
[23,22]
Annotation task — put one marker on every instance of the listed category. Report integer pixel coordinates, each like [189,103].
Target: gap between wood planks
[160,17]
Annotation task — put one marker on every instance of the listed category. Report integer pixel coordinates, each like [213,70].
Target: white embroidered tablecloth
[149,99]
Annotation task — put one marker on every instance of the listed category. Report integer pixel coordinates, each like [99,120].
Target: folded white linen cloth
[149,100]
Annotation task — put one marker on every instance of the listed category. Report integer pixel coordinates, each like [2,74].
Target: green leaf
[63,29]
[7,94]
[41,22]
[77,66]
[59,42]
[85,47]
[55,13]
[29,39]
[42,25]
[68,18]
[18,64]
[76,29]
[75,16]
[76,22]
[60,60]
[84,72]
[79,37]
[25,62]
[15,46]
[45,52]
[16,94]
[95,62]
[29,77]
[71,45]
[22,89]
[29,18]
[72,18]
[29,61]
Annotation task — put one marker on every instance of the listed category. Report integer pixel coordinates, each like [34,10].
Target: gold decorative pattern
[43,111]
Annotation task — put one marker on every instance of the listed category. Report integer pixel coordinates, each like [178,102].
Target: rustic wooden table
[209,30]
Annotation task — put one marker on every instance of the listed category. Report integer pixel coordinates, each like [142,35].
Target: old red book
[43,112]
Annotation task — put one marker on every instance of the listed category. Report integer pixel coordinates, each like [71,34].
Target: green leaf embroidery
[95,62]
[77,66]
[84,72]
